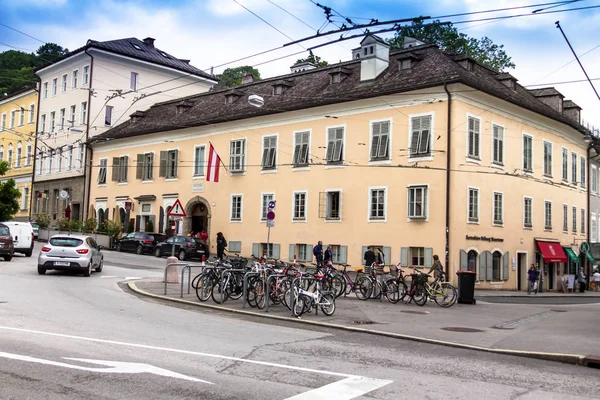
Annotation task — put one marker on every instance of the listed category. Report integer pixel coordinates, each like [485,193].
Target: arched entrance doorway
[198,216]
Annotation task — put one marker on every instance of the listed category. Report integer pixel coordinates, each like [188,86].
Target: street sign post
[178,212]
[270,221]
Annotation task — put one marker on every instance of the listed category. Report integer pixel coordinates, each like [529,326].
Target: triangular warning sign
[177,210]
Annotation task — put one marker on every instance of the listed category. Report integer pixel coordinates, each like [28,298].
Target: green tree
[313,59]
[50,52]
[9,195]
[233,76]
[447,38]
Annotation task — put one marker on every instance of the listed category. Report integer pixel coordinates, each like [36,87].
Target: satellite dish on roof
[256,100]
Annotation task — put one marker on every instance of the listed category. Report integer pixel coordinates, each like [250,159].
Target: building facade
[416,151]
[85,93]
[17,139]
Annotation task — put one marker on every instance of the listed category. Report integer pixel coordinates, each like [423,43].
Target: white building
[85,93]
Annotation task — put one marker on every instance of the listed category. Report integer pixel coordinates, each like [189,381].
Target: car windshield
[65,242]
[4,231]
[35,226]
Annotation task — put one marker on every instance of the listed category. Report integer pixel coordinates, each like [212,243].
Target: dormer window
[137,46]
[280,87]
[368,50]
[467,64]
[232,96]
[338,75]
[407,60]
[162,53]
[136,116]
[182,107]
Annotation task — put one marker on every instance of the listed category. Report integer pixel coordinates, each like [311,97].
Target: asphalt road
[63,336]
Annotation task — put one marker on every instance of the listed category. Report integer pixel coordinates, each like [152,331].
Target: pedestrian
[221,244]
[532,276]
[369,257]
[596,279]
[436,268]
[328,257]
[380,256]
[581,280]
[318,252]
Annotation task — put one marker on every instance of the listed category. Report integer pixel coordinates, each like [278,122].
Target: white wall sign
[198,187]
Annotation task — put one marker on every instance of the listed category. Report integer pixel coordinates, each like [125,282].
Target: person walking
[369,257]
[532,276]
[318,252]
[581,280]
[221,244]
[436,268]
[328,257]
[596,279]
[380,257]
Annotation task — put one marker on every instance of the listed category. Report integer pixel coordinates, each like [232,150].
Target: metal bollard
[245,291]
[268,286]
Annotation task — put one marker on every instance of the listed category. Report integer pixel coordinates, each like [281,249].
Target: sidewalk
[565,329]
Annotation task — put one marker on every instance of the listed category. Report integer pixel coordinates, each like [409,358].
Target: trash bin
[466,287]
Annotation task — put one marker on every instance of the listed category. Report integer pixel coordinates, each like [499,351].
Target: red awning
[552,252]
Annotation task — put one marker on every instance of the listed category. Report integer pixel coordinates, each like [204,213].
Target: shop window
[496,265]
[472,256]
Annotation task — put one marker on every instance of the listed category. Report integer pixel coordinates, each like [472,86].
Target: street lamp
[587,138]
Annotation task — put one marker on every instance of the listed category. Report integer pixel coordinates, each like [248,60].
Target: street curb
[575,359]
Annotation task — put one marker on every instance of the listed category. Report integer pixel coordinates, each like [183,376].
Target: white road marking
[364,382]
[117,367]
[126,278]
[345,389]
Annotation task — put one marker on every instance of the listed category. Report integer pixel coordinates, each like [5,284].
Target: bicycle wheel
[220,291]
[260,293]
[445,295]
[363,287]
[337,286]
[204,288]
[327,304]
[391,291]
[250,295]
[236,286]
[420,295]
[195,280]
[402,290]
[301,304]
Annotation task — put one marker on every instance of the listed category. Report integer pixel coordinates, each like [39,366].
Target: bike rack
[228,271]
[268,292]
[245,291]
[165,273]
[189,269]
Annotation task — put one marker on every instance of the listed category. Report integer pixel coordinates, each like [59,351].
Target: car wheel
[28,253]
[41,270]
[119,247]
[157,252]
[139,249]
[88,270]
[182,255]
[7,258]
[99,267]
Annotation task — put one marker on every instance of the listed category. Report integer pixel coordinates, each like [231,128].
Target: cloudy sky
[215,32]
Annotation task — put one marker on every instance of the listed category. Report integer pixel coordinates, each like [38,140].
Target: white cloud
[37,3]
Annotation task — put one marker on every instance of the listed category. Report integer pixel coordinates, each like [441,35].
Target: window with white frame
[417,256]
[527,153]
[237,155]
[13,114]
[172,164]
[333,205]
[335,145]
[548,215]
[420,136]
[102,170]
[199,157]
[498,145]
[10,155]
[583,221]
[266,198]
[527,212]
[417,202]
[269,156]
[380,141]
[86,75]
[338,253]
[565,164]
[574,219]
[69,157]
[1,153]
[301,148]
[108,112]
[120,168]
[80,155]
[133,83]
[72,116]
[19,155]
[236,207]
[59,158]
[473,205]
[565,218]
[594,179]
[25,198]
[29,153]
[547,159]
[299,206]
[22,116]
[583,168]
[45,90]
[498,208]
[64,83]
[52,121]
[303,252]
[54,86]
[593,229]
[573,168]
[74,78]
[473,140]
[49,159]
[3,126]
[377,206]
[147,166]
[83,120]
[62,119]
[31,113]
[39,160]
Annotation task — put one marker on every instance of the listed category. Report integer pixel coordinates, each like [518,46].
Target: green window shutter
[115,169]
[387,254]
[255,249]
[162,168]
[309,250]
[482,267]
[343,254]
[151,167]
[404,256]
[428,256]
[464,263]
[362,255]
[139,167]
[126,169]
[490,265]
[176,163]
[292,252]
[505,265]
[276,251]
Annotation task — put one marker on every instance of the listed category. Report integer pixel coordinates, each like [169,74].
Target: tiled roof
[313,88]
[543,92]
[570,104]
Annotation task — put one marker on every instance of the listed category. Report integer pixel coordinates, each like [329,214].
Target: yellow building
[416,151]
[17,141]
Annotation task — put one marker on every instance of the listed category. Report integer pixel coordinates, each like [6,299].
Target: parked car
[36,229]
[7,247]
[140,242]
[185,247]
[22,234]
[71,252]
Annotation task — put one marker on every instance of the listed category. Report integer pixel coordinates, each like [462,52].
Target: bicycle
[417,291]
[442,292]
[305,300]
[360,286]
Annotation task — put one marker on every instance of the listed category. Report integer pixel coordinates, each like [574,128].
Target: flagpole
[220,159]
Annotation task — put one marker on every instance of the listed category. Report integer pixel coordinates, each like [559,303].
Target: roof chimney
[572,111]
[247,78]
[149,41]
[374,56]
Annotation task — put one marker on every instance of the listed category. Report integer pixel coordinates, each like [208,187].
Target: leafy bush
[113,229]
[74,226]
[43,220]
[62,224]
[130,227]
[89,225]
[102,227]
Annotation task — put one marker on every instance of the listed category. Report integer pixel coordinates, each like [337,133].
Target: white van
[22,234]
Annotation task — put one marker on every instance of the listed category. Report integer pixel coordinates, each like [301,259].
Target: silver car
[71,252]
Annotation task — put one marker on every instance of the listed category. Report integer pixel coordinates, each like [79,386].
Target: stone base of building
[46,199]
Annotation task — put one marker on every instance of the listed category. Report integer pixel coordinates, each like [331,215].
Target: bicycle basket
[421,278]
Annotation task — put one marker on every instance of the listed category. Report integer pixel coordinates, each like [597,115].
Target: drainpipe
[448,153]
[87,178]
[35,150]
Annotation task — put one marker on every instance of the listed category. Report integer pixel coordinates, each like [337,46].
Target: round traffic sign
[270,216]
[271,204]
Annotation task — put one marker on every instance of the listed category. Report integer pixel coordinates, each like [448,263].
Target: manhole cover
[359,322]
[558,310]
[461,329]
[416,312]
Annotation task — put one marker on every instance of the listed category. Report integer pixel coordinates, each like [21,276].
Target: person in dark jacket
[436,268]
[532,276]
[328,257]
[369,256]
[318,252]
[221,244]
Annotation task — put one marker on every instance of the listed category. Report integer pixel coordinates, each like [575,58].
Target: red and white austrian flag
[214,163]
